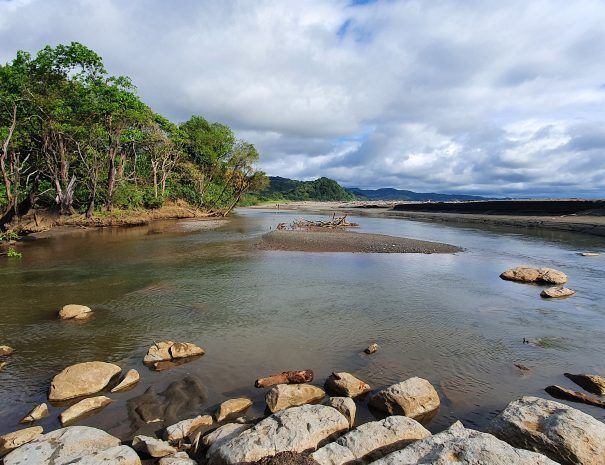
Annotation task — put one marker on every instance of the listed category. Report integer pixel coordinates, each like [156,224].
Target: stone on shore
[461,446]
[296,429]
[6,350]
[563,433]
[180,458]
[232,407]
[526,274]
[169,350]
[414,398]
[592,383]
[153,447]
[345,384]
[76,445]
[284,396]
[560,392]
[83,408]
[557,292]
[185,428]
[17,438]
[344,405]
[371,441]
[371,349]
[75,312]
[82,379]
[131,378]
[2,365]
[35,414]
[223,434]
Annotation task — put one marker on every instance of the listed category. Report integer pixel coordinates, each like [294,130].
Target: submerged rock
[73,445]
[35,414]
[131,378]
[6,350]
[153,447]
[589,254]
[344,405]
[75,312]
[371,349]
[296,429]
[526,274]
[82,379]
[556,292]
[16,439]
[592,383]
[415,398]
[185,428]
[169,350]
[461,446]
[371,441]
[345,384]
[284,396]
[83,408]
[232,407]
[563,433]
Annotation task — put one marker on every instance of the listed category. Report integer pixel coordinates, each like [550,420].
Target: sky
[469,96]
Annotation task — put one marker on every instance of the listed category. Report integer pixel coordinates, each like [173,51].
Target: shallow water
[447,318]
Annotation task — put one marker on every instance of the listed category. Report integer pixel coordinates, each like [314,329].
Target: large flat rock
[82,379]
[415,398]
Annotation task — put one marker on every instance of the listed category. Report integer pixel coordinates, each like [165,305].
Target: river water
[447,318]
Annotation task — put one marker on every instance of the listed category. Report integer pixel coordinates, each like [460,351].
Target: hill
[322,189]
[398,194]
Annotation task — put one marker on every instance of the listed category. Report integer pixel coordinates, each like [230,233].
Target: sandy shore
[346,241]
[594,225]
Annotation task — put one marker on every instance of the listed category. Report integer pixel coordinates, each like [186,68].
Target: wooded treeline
[78,139]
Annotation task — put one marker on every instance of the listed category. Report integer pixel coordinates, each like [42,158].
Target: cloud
[473,96]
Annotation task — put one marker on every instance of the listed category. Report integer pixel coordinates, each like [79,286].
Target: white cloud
[488,97]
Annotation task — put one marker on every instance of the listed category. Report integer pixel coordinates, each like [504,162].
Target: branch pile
[334,223]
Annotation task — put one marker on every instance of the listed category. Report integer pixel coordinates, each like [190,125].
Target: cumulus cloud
[486,97]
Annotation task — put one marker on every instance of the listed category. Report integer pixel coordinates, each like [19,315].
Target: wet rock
[589,254]
[564,434]
[35,414]
[132,377]
[344,405]
[284,396]
[345,384]
[371,349]
[185,428]
[592,383]
[463,447]
[16,439]
[71,445]
[223,434]
[6,350]
[556,292]
[82,379]
[180,458]
[575,396]
[152,446]
[414,398]
[232,407]
[296,429]
[75,312]
[287,458]
[3,365]
[169,350]
[371,441]
[83,408]
[525,274]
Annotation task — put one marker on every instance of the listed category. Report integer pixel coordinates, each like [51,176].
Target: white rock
[184,428]
[83,408]
[131,378]
[152,446]
[77,312]
[414,398]
[223,434]
[296,429]
[371,441]
[563,433]
[82,379]
[35,414]
[462,446]
[119,455]
[344,405]
[284,396]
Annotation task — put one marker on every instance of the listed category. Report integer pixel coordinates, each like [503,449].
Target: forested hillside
[75,138]
[322,189]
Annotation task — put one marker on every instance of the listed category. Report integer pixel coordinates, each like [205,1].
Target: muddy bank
[345,241]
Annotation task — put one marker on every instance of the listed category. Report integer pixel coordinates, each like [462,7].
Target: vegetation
[12,253]
[283,189]
[75,138]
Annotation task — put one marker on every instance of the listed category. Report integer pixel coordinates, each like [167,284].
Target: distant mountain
[398,194]
[322,189]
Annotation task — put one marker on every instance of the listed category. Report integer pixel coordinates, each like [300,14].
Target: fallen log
[286,377]
[575,396]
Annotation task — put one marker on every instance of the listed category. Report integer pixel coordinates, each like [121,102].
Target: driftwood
[286,377]
[335,223]
[568,394]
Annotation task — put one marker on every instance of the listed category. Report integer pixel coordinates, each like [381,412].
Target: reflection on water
[448,318]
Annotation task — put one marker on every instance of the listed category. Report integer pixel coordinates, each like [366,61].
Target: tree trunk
[237,199]
[286,377]
[111,180]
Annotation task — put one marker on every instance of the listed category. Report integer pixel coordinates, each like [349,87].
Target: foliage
[322,189]
[8,236]
[12,253]
[75,138]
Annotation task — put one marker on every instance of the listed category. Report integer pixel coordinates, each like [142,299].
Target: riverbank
[585,224]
